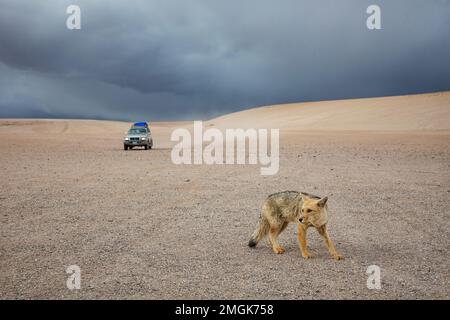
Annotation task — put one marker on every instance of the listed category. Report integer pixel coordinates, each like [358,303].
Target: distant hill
[410,112]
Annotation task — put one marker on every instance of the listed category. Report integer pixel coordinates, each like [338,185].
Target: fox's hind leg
[274,231]
[281,230]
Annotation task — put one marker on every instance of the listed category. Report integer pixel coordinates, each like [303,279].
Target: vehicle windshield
[137,131]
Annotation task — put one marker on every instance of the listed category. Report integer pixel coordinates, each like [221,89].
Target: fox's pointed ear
[322,202]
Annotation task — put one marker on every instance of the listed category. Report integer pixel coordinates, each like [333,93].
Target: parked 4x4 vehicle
[138,136]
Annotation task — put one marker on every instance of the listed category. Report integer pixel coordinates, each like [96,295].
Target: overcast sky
[168,59]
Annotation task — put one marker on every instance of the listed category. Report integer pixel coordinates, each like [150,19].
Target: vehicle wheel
[150,147]
[146,147]
[125,147]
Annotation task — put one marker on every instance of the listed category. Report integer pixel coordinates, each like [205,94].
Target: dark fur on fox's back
[292,194]
[289,194]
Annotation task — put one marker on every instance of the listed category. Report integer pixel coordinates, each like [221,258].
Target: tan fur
[290,206]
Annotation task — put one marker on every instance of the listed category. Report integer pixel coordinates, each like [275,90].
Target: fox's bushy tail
[261,230]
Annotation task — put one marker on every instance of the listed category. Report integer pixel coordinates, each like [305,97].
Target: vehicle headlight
[143,138]
[126,138]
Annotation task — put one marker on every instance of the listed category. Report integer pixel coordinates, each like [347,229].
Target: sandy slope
[412,112]
[141,227]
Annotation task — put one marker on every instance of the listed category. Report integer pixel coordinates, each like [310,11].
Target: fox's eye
[308,210]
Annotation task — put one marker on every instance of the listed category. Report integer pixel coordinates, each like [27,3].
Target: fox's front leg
[301,235]
[331,249]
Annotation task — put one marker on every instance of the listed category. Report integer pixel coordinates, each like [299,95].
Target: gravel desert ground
[140,226]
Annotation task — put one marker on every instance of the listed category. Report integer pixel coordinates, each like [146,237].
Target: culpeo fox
[291,206]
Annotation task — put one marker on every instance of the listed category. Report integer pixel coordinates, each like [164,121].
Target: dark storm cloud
[196,59]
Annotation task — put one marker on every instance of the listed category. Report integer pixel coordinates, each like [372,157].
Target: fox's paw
[278,250]
[337,256]
[306,255]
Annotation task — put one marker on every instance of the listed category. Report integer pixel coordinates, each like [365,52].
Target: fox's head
[313,211]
